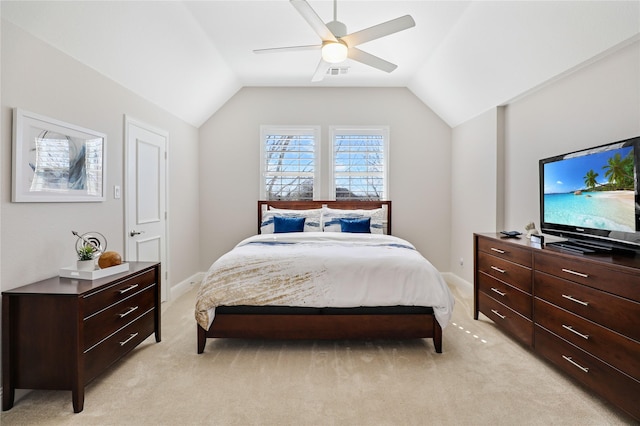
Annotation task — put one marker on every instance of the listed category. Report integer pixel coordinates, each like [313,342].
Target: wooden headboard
[334,204]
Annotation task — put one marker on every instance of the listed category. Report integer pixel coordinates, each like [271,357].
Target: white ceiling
[461,59]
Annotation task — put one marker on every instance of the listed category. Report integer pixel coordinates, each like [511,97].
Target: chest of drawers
[504,286]
[61,333]
[587,319]
[584,312]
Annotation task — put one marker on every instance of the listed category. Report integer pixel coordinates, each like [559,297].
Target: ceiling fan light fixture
[334,52]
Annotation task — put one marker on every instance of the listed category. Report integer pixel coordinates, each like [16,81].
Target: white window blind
[289,162]
[360,162]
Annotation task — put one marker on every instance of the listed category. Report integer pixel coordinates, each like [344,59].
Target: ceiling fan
[337,45]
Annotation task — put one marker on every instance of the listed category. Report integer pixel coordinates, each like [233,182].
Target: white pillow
[331,218]
[311,222]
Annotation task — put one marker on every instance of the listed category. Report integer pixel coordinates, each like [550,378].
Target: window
[356,165]
[359,166]
[289,157]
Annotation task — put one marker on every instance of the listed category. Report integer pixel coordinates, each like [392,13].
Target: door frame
[128,121]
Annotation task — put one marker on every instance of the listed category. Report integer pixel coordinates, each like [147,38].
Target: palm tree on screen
[590,179]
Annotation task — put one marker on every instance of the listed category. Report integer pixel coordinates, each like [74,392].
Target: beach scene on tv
[592,191]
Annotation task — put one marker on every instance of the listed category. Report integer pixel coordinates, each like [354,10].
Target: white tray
[72,272]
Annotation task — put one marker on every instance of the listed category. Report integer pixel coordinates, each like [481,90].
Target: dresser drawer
[103,323]
[598,376]
[505,251]
[506,294]
[613,348]
[509,272]
[117,292]
[612,280]
[610,311]
[118,344]
[509,320]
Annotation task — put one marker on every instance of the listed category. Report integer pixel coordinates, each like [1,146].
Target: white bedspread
[323,269]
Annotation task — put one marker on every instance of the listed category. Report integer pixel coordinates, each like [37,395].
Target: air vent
[337,70]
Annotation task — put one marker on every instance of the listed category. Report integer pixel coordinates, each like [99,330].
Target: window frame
[297,130]
[359,130]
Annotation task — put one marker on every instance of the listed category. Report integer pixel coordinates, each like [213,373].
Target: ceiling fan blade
[380,30]
[371,60]
[321,70]
[313,19]
[288,49]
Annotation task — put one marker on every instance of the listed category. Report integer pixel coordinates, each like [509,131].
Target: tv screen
[593,194]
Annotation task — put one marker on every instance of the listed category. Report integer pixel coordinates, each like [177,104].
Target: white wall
[595,105]
[476,181]
[495,156]
[36,237]
[420,154]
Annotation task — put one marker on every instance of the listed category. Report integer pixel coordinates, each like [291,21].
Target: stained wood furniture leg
[437,336]
[8,384]
[202,338]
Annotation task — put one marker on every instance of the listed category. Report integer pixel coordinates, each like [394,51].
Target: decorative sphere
[109,258]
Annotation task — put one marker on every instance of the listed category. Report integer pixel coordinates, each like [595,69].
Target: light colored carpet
[482,377]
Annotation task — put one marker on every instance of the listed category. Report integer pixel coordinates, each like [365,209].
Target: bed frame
[330,323]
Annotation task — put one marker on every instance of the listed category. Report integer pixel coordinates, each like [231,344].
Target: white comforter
[323,269]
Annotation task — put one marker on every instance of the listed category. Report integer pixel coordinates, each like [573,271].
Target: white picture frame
[55,161]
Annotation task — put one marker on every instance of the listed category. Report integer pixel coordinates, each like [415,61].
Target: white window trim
[292,130]
[358,130]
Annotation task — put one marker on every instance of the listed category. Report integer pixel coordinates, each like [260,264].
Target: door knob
[133,232]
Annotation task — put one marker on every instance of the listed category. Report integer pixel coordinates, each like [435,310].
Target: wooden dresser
[581,312]
[60,333]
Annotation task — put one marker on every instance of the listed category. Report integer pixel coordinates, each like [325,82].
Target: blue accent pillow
[282,224]
[359,225]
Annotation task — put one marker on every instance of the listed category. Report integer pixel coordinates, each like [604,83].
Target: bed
[306,282]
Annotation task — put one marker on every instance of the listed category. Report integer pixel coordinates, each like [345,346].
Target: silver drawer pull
[131,287]
[580,274]
[498,314]
[568,358]
[498,291]
[131,336]
[124,314]
[498,250]
[575,300]
[568,327]
[495,268]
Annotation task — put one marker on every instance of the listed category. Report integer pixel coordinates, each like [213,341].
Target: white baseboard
[184,286]
[464,286]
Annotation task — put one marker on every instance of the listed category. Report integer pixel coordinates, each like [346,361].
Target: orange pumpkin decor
[109,258]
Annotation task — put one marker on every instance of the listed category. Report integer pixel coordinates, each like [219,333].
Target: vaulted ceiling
[461,58]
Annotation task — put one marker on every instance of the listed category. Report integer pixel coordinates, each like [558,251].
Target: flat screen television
[590,197]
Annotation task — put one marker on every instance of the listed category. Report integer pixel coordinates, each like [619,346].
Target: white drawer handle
[124,314]
[495,268]
[580,274]
[498,291]
[131,336]
[575,300]
[131,287]
[568,358]
[498,250]
[568,327]
[498,314]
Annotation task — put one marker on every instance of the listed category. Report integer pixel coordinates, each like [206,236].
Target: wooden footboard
[267,326]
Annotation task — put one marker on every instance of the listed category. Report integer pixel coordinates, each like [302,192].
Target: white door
[145,196]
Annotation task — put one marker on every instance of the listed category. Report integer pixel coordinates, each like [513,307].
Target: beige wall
[420,154]
[36,237]
[495,155]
